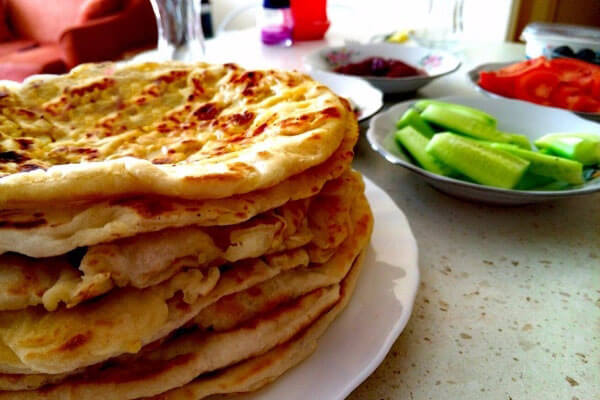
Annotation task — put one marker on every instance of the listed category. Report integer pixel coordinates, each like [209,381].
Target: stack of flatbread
[171,231]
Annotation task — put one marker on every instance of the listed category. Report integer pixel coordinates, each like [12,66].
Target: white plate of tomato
[559,82]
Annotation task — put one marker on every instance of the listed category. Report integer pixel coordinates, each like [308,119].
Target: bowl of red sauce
[387,66]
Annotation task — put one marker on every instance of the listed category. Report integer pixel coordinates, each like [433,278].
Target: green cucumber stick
[557,168]
[482,116]
[481,163]
[460,123]
[414,142]
[519,140]
[412,118]
[531,181]
[584,148]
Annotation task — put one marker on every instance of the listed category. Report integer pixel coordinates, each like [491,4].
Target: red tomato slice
[586,104]
[537,86]
[574,72]
[596,86]
[565,96]
[504,80]
[518,69]
[573,64]
[500,85]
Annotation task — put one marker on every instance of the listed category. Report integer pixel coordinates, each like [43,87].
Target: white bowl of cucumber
[479,160]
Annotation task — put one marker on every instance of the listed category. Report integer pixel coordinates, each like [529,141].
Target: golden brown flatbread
[177,361]
[34,340]
[196,131]
[254,373]
[148,259]
[46,231]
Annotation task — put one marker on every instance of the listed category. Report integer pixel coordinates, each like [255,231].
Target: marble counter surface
[509,300]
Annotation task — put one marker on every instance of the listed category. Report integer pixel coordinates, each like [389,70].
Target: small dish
[474,78]
[436,63]
[513,116]
[365,99]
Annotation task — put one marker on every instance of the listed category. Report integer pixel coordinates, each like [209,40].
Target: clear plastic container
[542,38]
[276,23]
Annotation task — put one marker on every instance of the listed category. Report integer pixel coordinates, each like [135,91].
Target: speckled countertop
[509,300]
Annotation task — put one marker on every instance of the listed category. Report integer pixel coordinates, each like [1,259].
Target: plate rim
[533,195]
[367,86]
[401,323]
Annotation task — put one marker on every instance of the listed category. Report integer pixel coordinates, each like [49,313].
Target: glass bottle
[276,23]
[179,29]
[443,25]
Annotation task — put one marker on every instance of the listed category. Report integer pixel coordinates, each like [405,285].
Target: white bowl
[474,78]
[513,116]
[435,63]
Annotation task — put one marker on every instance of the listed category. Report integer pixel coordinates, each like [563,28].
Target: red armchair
[51,37]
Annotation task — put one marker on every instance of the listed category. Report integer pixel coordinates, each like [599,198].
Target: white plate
[513,116]
[367,99]
[358,340]
[474,78]
[436,63]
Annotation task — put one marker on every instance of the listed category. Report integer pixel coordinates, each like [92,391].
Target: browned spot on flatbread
[362,225]
[162,160]
[7,224]
[231,66]
[242,118]
[257,366]
[331,112]
[12,157]
[250,78]
[242,168]
[148,207]
[75,342]
[26,113]
[206,112]
[264,154]
[29,167]
[261,128]
[172,76]
[24,143]
[82,90]
[141,370]
[281,309]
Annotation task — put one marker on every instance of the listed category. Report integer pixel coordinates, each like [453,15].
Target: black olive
[588,55]
[563,51]
[379,66]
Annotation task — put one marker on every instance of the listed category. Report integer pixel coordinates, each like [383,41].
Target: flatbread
[34,340]
[254,373]
[196,131]
[245,305]
[51,231]
[148,259]
[152,373]
[25,281]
